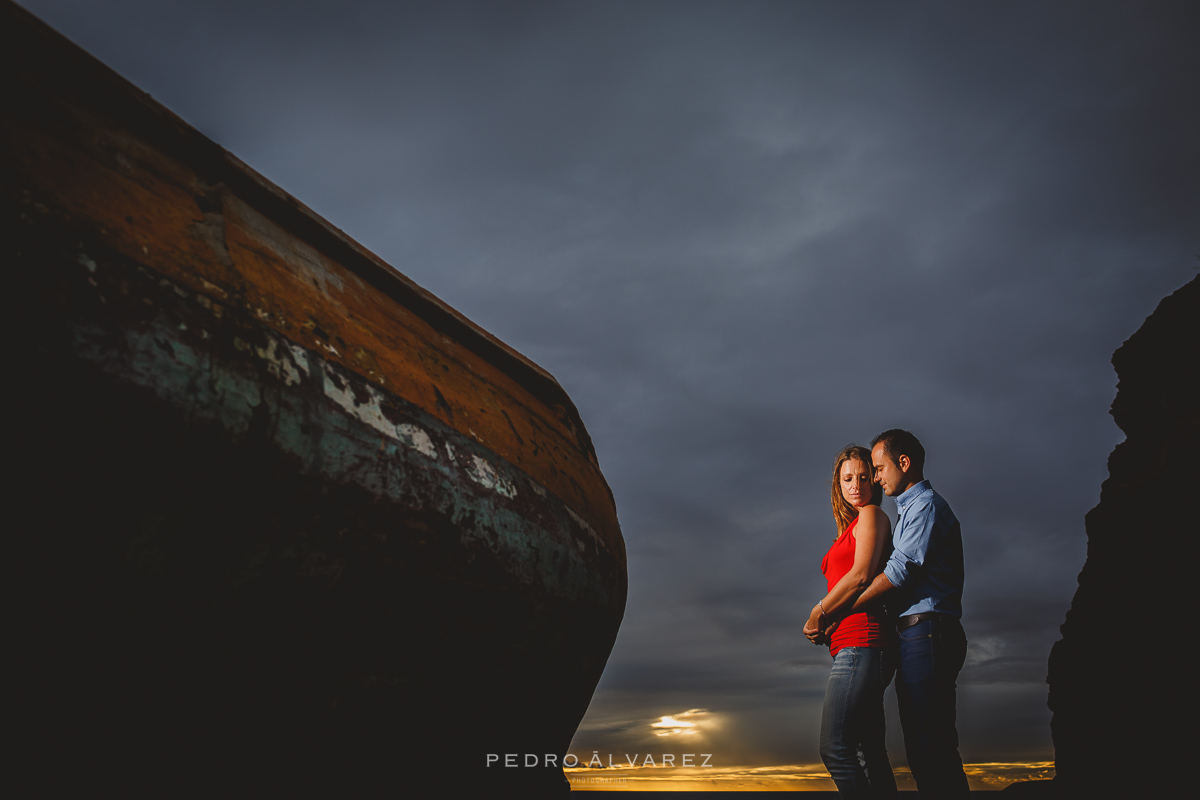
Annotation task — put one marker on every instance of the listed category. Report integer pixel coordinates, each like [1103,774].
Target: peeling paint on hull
[285,520]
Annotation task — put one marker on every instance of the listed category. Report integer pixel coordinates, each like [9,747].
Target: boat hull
[287,520]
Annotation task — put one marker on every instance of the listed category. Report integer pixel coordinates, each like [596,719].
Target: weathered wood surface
[285,516]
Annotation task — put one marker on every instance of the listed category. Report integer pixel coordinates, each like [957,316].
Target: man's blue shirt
[926,566]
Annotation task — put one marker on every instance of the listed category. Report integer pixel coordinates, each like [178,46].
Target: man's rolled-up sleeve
[899,570]
[911,545]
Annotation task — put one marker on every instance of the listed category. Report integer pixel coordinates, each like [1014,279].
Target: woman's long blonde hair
[843,512]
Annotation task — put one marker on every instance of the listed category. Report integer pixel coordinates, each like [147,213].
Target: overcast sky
[741,235]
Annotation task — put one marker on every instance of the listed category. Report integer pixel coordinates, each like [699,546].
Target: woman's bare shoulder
[874,515]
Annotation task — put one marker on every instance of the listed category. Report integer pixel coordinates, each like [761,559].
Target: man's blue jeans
[931,655]
[852,724]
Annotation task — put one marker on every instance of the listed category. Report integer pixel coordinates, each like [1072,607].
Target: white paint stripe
[370,412]
[485,475]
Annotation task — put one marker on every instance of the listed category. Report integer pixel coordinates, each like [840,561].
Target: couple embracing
[918,574]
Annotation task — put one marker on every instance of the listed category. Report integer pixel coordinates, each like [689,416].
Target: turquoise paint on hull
[231,382]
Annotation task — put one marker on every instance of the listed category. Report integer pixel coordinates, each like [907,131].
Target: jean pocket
[846,660]
[922,630]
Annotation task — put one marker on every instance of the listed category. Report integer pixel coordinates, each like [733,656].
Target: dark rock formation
[1121,682]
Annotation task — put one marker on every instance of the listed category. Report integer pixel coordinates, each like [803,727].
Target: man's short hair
[898,442]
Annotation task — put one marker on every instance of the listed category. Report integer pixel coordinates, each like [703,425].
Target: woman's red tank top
[864,629]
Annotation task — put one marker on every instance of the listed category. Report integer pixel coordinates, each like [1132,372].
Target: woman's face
[856,482]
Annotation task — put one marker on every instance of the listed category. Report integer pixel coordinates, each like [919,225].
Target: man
[923,581]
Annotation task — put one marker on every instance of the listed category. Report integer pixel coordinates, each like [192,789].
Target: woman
[861,644]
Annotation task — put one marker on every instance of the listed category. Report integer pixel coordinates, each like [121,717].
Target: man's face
[887,472]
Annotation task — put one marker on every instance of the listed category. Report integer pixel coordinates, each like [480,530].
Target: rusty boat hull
[284,520]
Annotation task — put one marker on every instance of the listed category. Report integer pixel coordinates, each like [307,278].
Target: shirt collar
[910,494]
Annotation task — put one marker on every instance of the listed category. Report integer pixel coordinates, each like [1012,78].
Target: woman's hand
[812,628]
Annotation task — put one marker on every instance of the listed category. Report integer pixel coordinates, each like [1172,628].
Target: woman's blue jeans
[852,724]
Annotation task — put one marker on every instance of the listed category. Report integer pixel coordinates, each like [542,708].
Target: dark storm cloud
[741,235]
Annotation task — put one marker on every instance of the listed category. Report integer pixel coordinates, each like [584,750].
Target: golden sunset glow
[673,726]
[658,777]
[686,723]
[997,775]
